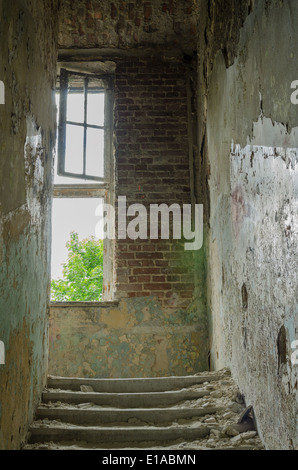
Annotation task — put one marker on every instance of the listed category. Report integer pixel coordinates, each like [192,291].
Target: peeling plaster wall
[249,149]
[27,131]
[132,338]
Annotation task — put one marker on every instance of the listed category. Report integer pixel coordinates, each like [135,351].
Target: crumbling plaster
[27,129]
[250,147]
[132,338]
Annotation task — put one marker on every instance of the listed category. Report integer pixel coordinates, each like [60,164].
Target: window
[83,178]
[85,127]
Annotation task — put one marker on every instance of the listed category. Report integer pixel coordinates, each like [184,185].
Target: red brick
[130,287]
[139,264]
[138,294]
[159,279]
[145,255]
[146,270]
[147,11]
[148,248]
[124,255]
[131,11]
[157,287]
[143,278]
[152,162]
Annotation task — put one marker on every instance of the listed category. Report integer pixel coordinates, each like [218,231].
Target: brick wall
[141,336]
[152,167]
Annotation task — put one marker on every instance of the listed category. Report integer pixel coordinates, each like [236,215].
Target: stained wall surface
[27,130]
[132,338]
[250,148]
[125,24]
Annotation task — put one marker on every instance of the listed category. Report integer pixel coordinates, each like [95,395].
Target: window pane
[75,102]
[95,152]
[65,179]
[82,216]
[74,149]
[95,108]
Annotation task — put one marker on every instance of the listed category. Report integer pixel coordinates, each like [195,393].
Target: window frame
[107,126]
[96,187]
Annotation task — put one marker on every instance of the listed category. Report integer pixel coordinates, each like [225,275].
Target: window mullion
[62,121]
[82,124]
[85,123]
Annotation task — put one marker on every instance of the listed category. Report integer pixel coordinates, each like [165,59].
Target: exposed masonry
[152,167]
[98,23]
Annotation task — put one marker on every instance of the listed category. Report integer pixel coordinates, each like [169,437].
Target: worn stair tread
[112,415]
[135,400]
[98,434]
[185,413]
[139,446]
[127,385]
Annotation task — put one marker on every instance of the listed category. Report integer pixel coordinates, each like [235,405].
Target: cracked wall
[249,148]
[27,130]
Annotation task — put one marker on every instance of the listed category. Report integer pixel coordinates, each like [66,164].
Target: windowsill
[85,304]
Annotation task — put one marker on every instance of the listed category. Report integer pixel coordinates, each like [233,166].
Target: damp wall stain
[28,38]
[135,338]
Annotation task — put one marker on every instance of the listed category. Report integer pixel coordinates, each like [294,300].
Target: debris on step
[85,405]
[86,388]
[213,421]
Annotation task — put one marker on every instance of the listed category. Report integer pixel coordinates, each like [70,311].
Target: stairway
[193,412]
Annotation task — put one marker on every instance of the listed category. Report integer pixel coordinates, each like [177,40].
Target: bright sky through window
[74,137]
[72,214]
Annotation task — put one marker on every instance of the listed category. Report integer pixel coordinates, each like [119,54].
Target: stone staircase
[204,411]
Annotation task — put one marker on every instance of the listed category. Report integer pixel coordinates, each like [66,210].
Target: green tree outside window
[82,273]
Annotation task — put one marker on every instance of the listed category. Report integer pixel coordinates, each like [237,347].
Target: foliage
[82,273]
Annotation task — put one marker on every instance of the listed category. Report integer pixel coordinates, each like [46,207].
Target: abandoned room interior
[182,107]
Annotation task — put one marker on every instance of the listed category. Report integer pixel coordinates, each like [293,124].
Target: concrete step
[124,400]
[136,446]
[116,434]
[99,416]
[193,412]
[134,385]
